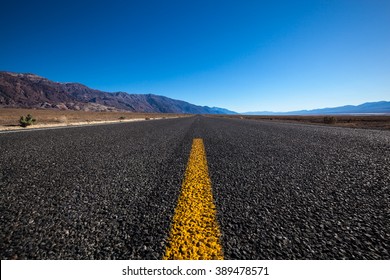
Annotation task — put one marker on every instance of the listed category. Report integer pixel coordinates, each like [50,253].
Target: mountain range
[25,90]
[380,107]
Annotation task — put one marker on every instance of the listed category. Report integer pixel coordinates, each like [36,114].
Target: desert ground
[381,122]
[9,117]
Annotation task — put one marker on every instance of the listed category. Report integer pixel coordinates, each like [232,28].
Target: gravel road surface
[282,191]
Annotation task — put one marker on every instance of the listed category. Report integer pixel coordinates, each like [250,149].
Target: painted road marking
[195,233]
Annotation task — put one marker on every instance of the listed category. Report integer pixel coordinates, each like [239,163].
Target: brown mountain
[31,91]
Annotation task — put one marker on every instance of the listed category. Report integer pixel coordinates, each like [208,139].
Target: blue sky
[242,55]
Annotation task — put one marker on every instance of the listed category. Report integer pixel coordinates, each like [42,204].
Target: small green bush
[122,118]
[330,120]
[26,120]
[147,119]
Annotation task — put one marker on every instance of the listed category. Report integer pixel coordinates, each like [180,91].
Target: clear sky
[244,55]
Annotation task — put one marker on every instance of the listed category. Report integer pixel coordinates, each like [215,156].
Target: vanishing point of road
[195,187]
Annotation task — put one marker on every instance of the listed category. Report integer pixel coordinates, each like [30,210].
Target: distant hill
[221,111]
[380,107]
[19,90]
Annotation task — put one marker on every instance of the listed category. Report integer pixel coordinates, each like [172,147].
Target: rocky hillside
[31,91]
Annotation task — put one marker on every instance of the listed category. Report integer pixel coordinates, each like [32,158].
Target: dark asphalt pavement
[282,191]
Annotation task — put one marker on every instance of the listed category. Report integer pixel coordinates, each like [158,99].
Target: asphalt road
[282,191]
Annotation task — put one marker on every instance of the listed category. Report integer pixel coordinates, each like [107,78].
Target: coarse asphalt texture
[282,191]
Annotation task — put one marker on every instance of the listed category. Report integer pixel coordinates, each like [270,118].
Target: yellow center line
[195,232]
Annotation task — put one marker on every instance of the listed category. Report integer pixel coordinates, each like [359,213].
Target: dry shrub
[26,121]
[330,120]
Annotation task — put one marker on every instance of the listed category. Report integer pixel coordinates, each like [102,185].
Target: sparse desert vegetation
[10,117]
[25,121]
[381,122]
[330,120]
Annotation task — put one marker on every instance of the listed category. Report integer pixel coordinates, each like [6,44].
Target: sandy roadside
[68,124]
